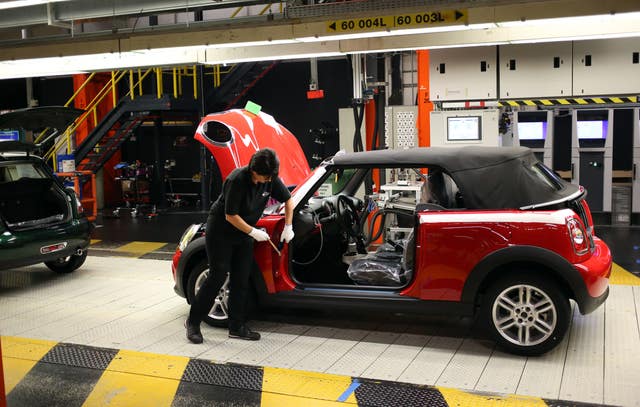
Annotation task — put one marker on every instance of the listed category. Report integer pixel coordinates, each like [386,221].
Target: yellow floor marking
[282,400]
[460,398]
[620,276]
[138,379]
[282,387]
[138,249]
[19,355]
[94,241]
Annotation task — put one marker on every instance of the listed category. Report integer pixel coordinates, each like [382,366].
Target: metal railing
[64,143]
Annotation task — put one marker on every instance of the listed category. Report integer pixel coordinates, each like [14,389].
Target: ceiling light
[69,65]
[25,3]
[592,21]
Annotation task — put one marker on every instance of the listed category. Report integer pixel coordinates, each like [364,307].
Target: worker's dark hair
[265,162]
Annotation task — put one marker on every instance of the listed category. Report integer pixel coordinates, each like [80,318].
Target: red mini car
[472,231]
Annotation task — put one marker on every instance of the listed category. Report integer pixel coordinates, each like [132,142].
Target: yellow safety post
[140,82]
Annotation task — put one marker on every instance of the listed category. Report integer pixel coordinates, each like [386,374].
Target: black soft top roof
[488,177]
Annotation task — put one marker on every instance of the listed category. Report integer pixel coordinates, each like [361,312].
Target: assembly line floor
[112,334]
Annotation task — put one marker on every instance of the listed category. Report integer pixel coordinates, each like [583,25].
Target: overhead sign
[415,20]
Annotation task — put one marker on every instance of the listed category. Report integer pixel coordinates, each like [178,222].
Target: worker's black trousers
[225,257]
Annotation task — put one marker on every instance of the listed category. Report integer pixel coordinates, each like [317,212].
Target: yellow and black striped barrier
[40,372]
[569,101]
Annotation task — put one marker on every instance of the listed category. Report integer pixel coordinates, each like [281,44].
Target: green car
[41,221]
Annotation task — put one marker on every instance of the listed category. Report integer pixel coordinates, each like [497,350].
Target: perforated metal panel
[388,128]
[402,127]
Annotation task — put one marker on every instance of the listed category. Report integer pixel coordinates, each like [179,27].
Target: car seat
[390,265]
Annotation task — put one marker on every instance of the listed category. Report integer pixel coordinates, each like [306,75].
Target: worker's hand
[259,235]
[287,233]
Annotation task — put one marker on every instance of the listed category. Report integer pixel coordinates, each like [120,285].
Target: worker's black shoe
[193,332]
[244,333]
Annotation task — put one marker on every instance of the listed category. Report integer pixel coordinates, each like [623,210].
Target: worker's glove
[287,233]
[259,235]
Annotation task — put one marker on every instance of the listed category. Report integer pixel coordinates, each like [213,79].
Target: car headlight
[187,236]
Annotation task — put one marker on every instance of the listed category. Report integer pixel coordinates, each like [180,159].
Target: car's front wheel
[526,315]
[67,264]
[219,313]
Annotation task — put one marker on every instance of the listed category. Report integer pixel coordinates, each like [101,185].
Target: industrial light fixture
[607,26]
[26,3]
[590,21]
[69,65]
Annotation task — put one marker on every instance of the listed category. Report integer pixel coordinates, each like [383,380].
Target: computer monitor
[463,128]
[592,129]
[532,130]
[9,135]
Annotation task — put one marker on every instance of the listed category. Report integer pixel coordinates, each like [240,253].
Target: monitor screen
[463,128]
[592,129]
[532,130]
[9,135]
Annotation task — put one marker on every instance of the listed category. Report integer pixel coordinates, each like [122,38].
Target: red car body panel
[596,269]
[448,248]
[249,133]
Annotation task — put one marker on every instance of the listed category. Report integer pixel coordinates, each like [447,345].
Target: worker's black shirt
[240,196]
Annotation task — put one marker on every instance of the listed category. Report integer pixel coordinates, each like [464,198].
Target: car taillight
[578,236]
[79,206]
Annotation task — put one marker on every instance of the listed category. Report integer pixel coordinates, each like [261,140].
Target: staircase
[237,84]
[119,124]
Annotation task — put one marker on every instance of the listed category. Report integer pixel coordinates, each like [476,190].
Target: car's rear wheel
[525,314]
[219,314]
[67,264]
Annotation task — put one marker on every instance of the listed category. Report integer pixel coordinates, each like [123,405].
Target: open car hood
[38,118]
[234,135]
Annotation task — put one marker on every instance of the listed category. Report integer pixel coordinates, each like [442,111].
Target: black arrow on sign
[333,26]
[459,14]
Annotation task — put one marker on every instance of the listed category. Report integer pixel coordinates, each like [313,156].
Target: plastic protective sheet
[385,267]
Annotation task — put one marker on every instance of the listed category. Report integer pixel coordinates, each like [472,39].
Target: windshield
[16,171]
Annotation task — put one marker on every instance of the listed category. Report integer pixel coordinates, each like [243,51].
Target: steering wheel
[348,215]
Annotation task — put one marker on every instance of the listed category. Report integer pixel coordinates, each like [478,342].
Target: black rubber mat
[80,356]
[235,376]
[383,394]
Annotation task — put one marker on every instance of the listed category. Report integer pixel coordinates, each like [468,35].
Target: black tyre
[218,315]
[67,264]
[526,315]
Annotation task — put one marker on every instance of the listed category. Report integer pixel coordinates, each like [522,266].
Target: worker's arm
[288,211]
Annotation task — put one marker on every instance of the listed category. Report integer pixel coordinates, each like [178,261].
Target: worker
[230,234]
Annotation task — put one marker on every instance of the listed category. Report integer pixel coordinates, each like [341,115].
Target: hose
[381,212]
[317,223]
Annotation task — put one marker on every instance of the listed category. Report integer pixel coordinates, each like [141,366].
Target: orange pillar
[3,398]
[425,106]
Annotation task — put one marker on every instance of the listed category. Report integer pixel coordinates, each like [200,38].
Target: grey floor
[129,303]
